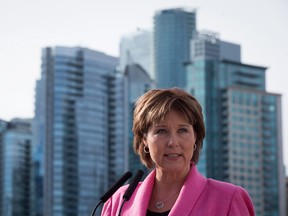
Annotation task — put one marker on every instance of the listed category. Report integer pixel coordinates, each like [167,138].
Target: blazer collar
[189,194]
[142,198]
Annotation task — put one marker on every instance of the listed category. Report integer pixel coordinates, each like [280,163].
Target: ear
[144,139]
[195,135]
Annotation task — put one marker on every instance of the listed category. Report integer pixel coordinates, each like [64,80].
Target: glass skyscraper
[138,82]
[137,48]
[80,111]
[38,142]
[173,30]
[15,167]
[243,122]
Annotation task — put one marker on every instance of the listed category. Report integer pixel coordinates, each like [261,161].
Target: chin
[173,169]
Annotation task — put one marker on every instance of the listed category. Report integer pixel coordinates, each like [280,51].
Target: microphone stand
[95,208]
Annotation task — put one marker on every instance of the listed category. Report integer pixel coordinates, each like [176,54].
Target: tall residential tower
[15,167]
[173,30]
[137,48]
[80,110]
[138,82]
[243,122]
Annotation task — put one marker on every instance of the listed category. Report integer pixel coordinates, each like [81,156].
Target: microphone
[112,190]
[128,193]
[116,186]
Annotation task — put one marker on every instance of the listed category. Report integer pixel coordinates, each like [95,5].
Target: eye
[160,131]
[183,130]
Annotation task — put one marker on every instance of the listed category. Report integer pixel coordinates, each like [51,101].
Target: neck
[166,189]
[169,179]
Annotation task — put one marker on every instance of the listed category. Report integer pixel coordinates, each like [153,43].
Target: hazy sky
[259,26]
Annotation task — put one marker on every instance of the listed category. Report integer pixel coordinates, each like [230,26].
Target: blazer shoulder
[221,188]
[234,199]
[221,185]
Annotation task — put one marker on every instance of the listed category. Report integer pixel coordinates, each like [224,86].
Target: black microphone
[128,193]
[116,186]
[112,190]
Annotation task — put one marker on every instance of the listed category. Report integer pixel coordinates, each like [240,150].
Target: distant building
[80,122]
[287,195]
[138,82]
[137,48]
[38,145]
[15,167]
[173,30]
[2,125]
[243,122]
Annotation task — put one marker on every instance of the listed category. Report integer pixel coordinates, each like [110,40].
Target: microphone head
[116,186]
[128,193]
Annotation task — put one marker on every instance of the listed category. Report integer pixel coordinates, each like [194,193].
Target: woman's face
[171,143]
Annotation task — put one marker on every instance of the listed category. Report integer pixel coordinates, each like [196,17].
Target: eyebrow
[181,125]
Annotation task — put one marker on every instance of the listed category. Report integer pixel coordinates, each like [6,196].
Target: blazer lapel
[142,198]
[189,194]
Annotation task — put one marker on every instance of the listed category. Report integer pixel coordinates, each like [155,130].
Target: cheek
[151,140]
[154,145]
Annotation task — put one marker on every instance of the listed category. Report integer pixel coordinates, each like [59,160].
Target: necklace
[160,204]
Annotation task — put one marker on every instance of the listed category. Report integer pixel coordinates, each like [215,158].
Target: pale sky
[259,26]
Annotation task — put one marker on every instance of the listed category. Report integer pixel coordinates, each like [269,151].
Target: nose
[172,141]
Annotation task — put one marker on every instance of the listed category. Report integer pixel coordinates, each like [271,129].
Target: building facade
[137,48]
[38,144]
[81,114]
[137,82]
[15,167]
[243,122]
[173,30]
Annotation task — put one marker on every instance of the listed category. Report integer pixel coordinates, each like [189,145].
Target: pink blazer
[199,196]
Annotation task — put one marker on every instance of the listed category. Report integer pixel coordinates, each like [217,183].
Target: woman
[168,132]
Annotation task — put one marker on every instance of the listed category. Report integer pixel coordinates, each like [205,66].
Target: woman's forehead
[161,118]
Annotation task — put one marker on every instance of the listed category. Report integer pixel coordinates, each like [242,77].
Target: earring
[195,146]
[146,149]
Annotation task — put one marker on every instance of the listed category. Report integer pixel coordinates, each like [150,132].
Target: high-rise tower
[173,30]
[137,48]
[83,144]
[15,167]
[243,122]
[138,82]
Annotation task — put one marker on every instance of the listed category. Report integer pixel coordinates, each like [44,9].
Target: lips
[172,155]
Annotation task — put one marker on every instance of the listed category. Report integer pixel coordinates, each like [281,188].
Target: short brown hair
[153,107]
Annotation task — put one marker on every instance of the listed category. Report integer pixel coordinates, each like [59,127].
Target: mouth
[174,155]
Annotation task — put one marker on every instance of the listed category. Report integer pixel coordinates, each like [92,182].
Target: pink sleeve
[241,204]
